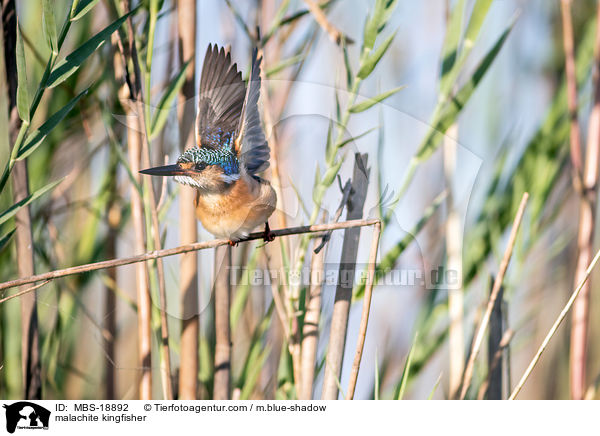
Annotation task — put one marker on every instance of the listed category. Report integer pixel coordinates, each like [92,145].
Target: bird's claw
[232,243]
[268,236]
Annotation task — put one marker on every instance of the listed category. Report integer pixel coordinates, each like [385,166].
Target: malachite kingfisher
[230,151]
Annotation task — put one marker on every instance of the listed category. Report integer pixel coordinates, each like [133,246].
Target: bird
[230,151]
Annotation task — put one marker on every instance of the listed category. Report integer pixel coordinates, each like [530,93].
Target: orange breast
[236,212]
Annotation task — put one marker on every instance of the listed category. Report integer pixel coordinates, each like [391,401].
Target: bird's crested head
[208,169]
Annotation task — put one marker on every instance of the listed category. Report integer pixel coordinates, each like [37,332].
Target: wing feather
[250,144]
[222,94]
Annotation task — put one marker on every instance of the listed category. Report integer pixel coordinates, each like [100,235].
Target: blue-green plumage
[222,156]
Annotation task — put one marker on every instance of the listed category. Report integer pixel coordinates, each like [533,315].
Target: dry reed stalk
[454,262]
[456,335]
[364,320]
[343,293]
[30,346]
[269,57]
[494,295]
[585,238]
[142,286]
[271,116]
[165,360]
[310,331]
[222,296]
[571,76]
[150,205]
[292,333]
[30,343]
[188,229]
[113,219]
[275,147]
[110,307]
[555,326]
[144,157]
[334,34]
[134,148]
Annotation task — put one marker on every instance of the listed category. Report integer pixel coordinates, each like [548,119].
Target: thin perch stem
[494,295]
[26,291]
[56,274]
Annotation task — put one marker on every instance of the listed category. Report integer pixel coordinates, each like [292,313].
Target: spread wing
[250,144]
[221,100]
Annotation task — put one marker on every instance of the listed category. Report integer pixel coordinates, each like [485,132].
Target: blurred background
[460,106]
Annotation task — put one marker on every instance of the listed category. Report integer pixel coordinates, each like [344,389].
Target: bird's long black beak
[167,170]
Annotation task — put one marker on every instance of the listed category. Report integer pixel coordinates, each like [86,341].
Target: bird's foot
[232,243]
[269,236]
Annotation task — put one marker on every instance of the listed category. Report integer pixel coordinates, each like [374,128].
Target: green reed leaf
[367,104]
[480,11]
[376,21]
[65,68]
[285,63]
[370,60]
[538,170]
[256,356]
[452,39]
[331,173]
[478,14]
[49,25]
[435,386]
[35,138]
[401,388]
[357,137]
[453,108]
[23,100]
[349,76]
[390,258]
[83,7]
[11,211]
[4,240]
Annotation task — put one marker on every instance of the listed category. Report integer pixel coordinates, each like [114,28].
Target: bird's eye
[200,166]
